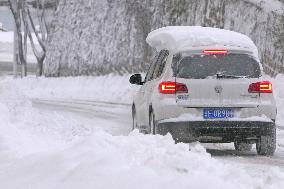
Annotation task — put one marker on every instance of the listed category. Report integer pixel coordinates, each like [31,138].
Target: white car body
[177,112]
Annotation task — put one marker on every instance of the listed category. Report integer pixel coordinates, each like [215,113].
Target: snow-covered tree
[40,33]
[24,20]
[93,37]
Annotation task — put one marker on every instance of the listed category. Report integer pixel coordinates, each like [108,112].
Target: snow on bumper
[192,118]
[215,130]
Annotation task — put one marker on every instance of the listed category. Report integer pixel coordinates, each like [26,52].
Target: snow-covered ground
[74,133]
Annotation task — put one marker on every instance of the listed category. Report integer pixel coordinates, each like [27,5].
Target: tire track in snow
[112,117]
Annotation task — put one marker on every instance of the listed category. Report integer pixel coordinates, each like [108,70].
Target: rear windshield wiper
[219,76]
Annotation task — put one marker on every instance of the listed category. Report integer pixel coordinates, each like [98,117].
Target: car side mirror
[136,79]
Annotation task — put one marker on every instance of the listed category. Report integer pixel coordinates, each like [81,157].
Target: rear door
[154,72]
[217,80]
[141,103]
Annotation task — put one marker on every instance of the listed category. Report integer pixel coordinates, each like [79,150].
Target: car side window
[175,61]
[149,75]
[161,62]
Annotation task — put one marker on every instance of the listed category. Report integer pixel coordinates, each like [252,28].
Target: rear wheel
[152,123]
[266,145]
[242,146]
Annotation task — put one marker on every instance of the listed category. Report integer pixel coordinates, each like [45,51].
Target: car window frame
[175,61]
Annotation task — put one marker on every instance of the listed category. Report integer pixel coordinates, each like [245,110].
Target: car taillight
[215,52]
[169,87]
[260,87]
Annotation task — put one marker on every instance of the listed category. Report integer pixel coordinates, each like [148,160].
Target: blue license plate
[218,113]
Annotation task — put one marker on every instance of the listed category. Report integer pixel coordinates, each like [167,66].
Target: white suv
[205,85]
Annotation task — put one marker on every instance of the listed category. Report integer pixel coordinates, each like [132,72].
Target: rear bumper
[215,131]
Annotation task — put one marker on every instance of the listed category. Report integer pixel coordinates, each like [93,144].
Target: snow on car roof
[182,38]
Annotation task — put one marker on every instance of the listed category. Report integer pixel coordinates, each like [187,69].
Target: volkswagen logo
[218,89]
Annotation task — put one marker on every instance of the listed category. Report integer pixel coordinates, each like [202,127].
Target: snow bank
[181,38]
[110,88]
[37,154]
[137,161]
[25,130]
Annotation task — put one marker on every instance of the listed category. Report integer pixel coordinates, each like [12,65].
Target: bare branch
[40,55]
[35,31]
[43,26]
[45,23]
[37,54]
[12,7]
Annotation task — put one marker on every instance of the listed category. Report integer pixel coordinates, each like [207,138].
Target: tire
[242,146]
[152,123]
[266,145]
[134,119]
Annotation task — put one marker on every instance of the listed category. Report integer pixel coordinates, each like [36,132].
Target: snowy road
[113,118]
[116,119]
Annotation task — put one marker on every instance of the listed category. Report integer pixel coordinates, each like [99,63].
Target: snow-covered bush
[99,37]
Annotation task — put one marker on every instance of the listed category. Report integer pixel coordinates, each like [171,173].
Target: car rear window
[204,66]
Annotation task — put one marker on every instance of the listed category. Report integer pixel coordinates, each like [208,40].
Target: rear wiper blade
[219,75]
